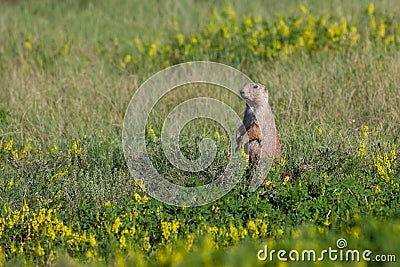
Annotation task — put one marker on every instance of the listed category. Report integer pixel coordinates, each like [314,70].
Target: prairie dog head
[255,94]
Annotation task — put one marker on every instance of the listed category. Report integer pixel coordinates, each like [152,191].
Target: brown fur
[256,97]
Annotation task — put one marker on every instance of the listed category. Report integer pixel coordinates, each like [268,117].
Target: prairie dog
[256,120]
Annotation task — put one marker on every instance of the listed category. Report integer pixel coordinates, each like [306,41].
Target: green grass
[66,82]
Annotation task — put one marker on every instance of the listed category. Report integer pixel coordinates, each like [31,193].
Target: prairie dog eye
[255,86]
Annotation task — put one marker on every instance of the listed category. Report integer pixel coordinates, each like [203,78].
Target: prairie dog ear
[265,90]
[263,87]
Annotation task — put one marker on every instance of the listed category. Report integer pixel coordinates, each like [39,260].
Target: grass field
[68,70]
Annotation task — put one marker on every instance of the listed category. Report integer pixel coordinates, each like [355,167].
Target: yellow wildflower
[21,249]
[343,25]
[322,21]
[354,231]
[53,149]
[175,23]
[146,244]
[286,180]
[217,16]
[28,46]
[127,58]
[285,30]
[180,38]
[75,149]
[309,37]
[9,145]
[116,225]
[303,9]
[298,22]
[277,44]
[39,61]
[226,33]
[242,232]
[283,160]
[194,39]
[26,150]
[361,149]
[59,174]
[13,248]
[137,197]
[217,136]
[390,39]
[243,154]
[264,228]
[381,30]
[377,189]
[122,241]
[25,207]
[370,9]
[90,254]
[326,222]
[189,242]
[132,231]
[393,156]
[253,228]
[175,226]
[311,20]
[249,22]
[51,233]
[300,42]
[65,50]
[150,132]
[383,165]
[283,27]
[152,51]
[372,22]
[334,32]
[138,44]
[187,49]
[165,230]
[229,12]
[92,240]
[365,131]
[9,184]
[212,230]
[233,233]
[268,183]
[354,36]
[39,250]
[235,28]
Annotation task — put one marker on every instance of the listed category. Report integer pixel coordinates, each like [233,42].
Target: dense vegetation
[69,68]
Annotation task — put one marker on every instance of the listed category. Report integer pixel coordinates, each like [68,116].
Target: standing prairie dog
[257,123]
